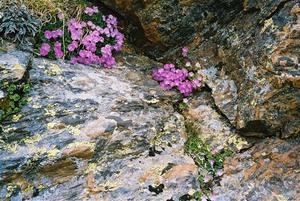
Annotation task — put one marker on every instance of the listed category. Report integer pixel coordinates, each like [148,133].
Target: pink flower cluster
[170,77]
[91,11]
[89,41]
[185,52]
[53,34]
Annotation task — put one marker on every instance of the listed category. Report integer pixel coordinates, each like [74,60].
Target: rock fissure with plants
[149,100]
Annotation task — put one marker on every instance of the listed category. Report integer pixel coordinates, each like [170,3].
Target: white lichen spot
[68,112]
[36,106]
[152,101]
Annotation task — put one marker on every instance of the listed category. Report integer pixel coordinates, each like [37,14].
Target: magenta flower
[48,34]
[219,173]
[57,50]
[170,77]
[207,178]
[204,198]
[45,49]
[92,41]
[72,46]
[74,60]
[57,33]
[185,52]
[91,11]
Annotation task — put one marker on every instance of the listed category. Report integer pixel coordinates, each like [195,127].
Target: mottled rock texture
[268,171]
[13,65]
[252,45]
[213,128]
[95,134]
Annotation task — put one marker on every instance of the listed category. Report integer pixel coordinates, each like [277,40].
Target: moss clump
[15,100]
[210,164]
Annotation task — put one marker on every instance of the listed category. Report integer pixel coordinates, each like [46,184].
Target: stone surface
[90,133]
[212,126]
[268,171]
[2,94]
[13,65]
[170,23]
[252,45]
[255,62]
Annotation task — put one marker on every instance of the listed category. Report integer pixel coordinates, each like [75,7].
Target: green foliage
[18,24]
[203,157]
[15,100]
[182,106]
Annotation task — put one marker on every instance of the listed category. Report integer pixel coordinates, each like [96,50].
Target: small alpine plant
[91,40]
[180,78]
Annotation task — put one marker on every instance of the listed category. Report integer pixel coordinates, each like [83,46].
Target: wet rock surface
[268,171]
[94,134]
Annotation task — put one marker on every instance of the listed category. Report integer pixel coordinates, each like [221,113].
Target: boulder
[90,133]
[13,65]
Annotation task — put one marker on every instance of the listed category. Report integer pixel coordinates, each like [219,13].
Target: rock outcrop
[95,134]
[249,52]
[268,171]
[252,46]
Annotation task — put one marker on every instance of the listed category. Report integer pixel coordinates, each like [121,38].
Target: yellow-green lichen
[54,69]
[238,142]
[16,117]
[50,111]
[11,147]
[86,143]
[268,24]
[90,167]
[33,139]
[53,152]
[75,130]
[56,126]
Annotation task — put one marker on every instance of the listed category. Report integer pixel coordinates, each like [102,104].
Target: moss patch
[16,99]
[210,162]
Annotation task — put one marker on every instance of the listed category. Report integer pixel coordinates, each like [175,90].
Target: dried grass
[47,10]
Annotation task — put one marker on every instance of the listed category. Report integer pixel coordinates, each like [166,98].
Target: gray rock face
[94,134]
[167,24]
[2,94]
[258,53]
[253,45]
[13,65]
[213,128]
[268,171]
